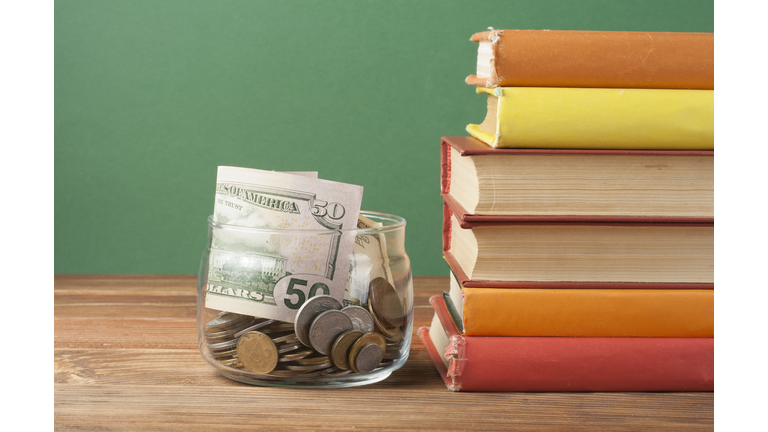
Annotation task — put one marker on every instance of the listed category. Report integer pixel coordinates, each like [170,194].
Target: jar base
[315,382]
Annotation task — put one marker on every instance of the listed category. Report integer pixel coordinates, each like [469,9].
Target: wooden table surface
[126,358]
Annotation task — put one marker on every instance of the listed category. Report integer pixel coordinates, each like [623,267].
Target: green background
[151,96]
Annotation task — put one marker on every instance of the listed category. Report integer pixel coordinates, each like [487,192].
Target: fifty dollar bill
[271,274]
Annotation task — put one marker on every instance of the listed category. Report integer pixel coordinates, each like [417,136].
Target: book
[600,118]
[567,254]
[554,58]
[582,312]
[573,364]
[615,185]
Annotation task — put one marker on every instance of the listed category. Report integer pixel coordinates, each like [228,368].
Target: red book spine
[538,364]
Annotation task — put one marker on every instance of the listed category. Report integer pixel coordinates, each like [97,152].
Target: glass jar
[254,349]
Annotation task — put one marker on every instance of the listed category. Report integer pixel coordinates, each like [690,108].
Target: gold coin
[393,336]
[296,356]
[360,343]
[313,361]
[230,362]
[284,338]
[257,352]
[340,349]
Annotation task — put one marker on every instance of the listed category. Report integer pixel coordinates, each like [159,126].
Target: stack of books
[578,219]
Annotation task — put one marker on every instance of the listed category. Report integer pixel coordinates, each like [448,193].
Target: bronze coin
[340,349]
[385,302]
[391,332]
[257,352]
[360,343]
[296,356]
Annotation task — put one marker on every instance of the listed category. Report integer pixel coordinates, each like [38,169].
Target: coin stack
[325,340]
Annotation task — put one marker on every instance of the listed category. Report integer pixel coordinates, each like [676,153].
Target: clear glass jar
[379,282]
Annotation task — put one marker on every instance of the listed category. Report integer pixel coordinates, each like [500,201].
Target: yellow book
[597,118]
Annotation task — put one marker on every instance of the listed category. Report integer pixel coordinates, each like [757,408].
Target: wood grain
[126,357]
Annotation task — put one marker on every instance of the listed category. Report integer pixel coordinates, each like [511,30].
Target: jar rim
[399,223]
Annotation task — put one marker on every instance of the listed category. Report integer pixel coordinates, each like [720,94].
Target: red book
[572,364]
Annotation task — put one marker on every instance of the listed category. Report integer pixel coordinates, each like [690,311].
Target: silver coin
[361,318]
[326,328]
[254,327]
[289,347]
[309,311]
[222,345]
[225,320]
[229,333]
[308,368]
[368,358]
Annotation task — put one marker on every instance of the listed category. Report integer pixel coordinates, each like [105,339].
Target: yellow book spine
[589,312]
[601,118]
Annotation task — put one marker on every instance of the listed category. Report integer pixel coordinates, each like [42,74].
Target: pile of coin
[324,340]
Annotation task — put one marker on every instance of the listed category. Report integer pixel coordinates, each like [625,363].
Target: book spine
[599,59]
[538,117]
[589,312]
[531,364]
[445,167]
[588,364]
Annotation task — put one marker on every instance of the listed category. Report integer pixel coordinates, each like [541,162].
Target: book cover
[567,364]
[576,184]
[579,254]
[600,118]
[556,58]
[583,312]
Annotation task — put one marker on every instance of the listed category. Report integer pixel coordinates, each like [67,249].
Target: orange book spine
[589,312]
[544,58]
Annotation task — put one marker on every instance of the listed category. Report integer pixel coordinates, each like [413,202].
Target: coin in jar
[224,321]
[389,332]
[385,302]
[340,348]
[307,313]
[326,328]
[361,318]
[253,327]
[368,358]
[360,343]
[296,355]
[308,368]
[257,352]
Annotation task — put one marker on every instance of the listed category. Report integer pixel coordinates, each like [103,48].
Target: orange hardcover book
[538,364]
[583,312]
[614,59]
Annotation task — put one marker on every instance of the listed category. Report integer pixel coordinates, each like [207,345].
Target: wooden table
[126,358]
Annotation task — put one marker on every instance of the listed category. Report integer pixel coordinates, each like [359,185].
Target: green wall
[152,95]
